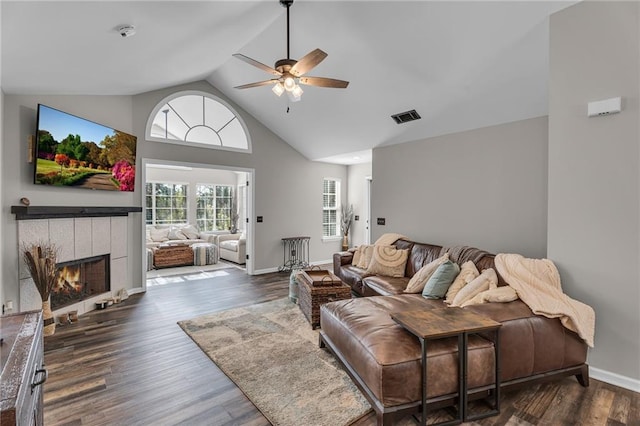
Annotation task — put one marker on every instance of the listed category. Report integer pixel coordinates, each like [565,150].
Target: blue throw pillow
[438,284]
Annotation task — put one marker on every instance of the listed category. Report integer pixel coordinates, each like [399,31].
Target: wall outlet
[356,217]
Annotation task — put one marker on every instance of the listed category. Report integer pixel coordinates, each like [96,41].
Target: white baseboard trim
[614,379]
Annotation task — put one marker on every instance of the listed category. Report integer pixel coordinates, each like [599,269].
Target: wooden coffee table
[439,323]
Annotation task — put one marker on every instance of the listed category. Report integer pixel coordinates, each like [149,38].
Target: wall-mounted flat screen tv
[75,152]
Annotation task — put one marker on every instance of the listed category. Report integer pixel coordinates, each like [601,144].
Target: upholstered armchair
[233,247]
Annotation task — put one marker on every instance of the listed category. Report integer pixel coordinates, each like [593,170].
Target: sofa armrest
[208,237]
[226,237]
[341,258]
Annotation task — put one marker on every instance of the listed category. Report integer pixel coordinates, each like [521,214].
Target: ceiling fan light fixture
[289,83]
[297,92]
[278,89]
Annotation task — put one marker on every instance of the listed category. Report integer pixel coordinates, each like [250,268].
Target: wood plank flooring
[132,365]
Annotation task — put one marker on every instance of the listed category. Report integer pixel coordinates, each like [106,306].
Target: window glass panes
[201,119]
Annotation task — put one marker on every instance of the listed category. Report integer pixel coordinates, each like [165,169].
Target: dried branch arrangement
[40,259]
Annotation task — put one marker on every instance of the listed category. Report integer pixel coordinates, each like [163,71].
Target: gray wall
[485,188]
[288,187]
[357,189]
[594,193]
[2,236]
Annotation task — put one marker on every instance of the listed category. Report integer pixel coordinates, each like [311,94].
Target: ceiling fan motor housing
[286,3]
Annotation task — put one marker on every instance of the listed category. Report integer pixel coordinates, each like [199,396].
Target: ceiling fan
[290,73]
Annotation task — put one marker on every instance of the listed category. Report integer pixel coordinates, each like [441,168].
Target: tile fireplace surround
[76,238]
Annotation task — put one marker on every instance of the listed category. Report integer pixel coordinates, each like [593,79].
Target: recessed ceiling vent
[405,117]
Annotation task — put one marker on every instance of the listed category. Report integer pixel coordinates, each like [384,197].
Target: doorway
[196,198]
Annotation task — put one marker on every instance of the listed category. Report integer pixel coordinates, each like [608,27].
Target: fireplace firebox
[80,279]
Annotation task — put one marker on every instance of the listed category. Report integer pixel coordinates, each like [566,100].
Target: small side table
[448,322]
[296,253]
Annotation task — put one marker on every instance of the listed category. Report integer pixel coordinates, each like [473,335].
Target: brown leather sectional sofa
[384,360]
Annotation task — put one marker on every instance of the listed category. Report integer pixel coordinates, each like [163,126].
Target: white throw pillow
[190,232]
[160,235]
[485,281]
[175,233]
[468,272]
[420,278]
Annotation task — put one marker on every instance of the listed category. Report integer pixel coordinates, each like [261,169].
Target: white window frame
[154,220]
[215,205]
[337,208]
[176,95]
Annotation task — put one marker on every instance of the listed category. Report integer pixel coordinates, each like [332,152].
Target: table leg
[462,359]
[423,342]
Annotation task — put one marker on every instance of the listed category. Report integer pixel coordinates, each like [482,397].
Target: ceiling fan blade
[308,61]
[258,84]
[257,64]
[324,82]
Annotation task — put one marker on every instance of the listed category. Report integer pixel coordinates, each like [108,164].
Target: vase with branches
[345,224]
[40,259]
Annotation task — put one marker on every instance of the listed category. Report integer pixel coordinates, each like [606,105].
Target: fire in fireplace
[80,279]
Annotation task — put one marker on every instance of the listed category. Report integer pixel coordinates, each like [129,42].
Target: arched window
[198,119]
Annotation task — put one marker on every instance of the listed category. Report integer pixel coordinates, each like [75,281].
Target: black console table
[296,253]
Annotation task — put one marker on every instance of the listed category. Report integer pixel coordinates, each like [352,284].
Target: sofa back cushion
[420,255]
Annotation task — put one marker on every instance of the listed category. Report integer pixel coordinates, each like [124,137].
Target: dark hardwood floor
[132,365]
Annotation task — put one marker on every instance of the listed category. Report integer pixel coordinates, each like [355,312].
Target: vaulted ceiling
[461,65]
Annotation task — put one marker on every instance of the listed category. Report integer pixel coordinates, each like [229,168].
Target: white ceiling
[461,65]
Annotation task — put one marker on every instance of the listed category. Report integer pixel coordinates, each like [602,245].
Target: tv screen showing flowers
[72,151]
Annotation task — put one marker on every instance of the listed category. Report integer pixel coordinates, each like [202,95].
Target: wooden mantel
[58,212]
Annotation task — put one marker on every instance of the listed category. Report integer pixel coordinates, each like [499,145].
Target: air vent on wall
[405,117]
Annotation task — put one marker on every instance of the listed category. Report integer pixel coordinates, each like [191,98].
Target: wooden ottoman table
[172,255]
[317,287]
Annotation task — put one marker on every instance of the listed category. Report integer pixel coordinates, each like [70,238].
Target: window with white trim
[166,203]
[198,118]
[330,208]
[213,207]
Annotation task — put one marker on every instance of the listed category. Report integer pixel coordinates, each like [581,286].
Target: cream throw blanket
[537,283]
[388,239]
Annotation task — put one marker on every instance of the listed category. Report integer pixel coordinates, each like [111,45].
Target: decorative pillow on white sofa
[176,233]
[159,235]
[190,232]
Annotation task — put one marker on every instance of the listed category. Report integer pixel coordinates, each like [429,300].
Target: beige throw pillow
[388,261]
[356,256]
[485,281]
[468,272]
[365,257]
[176,234]
[417,282]
[160,235]
[502,294]
[190,232]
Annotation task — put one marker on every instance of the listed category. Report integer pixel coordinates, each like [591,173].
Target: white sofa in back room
[179,233]
[233,247]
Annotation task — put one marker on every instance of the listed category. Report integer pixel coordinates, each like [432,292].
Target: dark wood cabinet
[23,372]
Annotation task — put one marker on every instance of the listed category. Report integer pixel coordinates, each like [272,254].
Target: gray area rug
[272,355]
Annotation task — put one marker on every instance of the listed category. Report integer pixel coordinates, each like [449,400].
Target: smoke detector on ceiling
[126,30]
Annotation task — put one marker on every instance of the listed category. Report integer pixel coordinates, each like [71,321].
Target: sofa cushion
[419,255]
[439,282]
[468,272]
[159,235]
[388,261]
[176,233]
[383,286]
[229,245]
[190,232]
[417,281]
[486,280]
